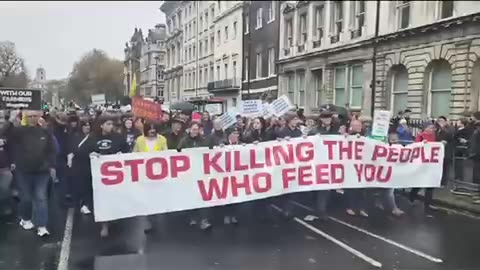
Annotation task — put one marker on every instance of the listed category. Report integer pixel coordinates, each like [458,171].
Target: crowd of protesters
[38,149]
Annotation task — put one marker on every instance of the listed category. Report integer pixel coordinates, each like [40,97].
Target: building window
[247,68]
[399,88]
[190,58]
[340,81]
[356,87]
[195,28]
[234,70]
[259,65]
[302,33]
[247,23]
[206,75]
[301,88]
[211,74]
[446,9]
[186,55]
[440,91]
[200,77]
[259,18]
[190,10]
[226,34]
[206,46]
[200,24]
[403,14]
[206,20]
[226,71]
[338,17]
[200,49]
[289,36]
[271,61]
[212,42]
[234,30]
[218,38]
[271,11]
[291,87]
[218,73]
[318,76]
[234,102]
[319,18]
[194,51]
[358,18]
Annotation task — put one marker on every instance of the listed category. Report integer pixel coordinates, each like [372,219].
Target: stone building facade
[152,64]
[426,55]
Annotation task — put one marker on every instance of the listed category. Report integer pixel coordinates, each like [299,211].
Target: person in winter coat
[427,135]
[6,176]
[207,123]
[446,134]
[78,161]
[291,130]
[151,141]
[255,132]
[130,133]
[193,140]
[474,148]
[106,142]
[404,133]
[175,134]
[218,136]
[34,162]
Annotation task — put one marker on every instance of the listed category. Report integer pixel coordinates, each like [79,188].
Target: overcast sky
[55,35]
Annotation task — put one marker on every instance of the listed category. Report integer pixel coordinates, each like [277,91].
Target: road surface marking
[332,239]
[391,242]
[67,240]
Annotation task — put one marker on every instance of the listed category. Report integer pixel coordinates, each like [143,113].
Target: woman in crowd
[207,124]
[193,140]
[254,132]
[138,124]
[130,133]
[79,163]
[106,142]
[356,198]
[218,136]
[427,135]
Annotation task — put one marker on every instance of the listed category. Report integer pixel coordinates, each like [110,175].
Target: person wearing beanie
[218,136]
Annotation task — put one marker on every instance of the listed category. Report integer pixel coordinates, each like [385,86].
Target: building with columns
[152,64]
[425,61]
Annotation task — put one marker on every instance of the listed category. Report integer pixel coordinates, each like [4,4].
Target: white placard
[98,99]
[267,110]
[228,119]
[281,105]
[381,123]
[252,107]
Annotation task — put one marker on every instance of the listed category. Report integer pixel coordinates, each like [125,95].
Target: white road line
[335,241]
[67,239]
[391,242]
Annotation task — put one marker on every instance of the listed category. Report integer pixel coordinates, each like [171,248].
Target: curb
[447,204]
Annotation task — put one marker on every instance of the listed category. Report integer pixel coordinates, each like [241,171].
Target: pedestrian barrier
[463,171]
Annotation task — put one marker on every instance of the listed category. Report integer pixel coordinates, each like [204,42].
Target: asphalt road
[262,240]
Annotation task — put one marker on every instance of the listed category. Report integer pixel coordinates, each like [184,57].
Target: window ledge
[258,27]
[270,21]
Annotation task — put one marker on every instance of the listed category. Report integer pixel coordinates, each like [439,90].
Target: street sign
[20,98]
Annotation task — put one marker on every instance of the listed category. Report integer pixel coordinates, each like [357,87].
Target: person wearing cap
[325,127]
[176,133]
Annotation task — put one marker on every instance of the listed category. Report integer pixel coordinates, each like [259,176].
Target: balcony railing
[334,39]
[224,85]
[317,43]
[286,51]
[301,48]
[356,33]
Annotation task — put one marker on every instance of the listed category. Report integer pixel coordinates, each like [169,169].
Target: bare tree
[12,69]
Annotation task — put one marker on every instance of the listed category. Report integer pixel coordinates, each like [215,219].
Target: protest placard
[252,108]
[281,105]
[20,98]
[381,123]
[267,111]
[228,119]
[98,99]
[139,184]
[146,109]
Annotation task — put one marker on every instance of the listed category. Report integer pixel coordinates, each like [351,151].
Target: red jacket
[423,136]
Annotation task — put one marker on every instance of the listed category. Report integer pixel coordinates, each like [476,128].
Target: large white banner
[136,184]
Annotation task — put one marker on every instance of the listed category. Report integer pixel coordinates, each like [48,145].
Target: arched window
[440,88]
[399,88]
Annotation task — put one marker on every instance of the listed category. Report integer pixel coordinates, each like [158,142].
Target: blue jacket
[404,135]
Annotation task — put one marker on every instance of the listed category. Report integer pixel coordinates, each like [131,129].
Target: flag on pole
[133,87]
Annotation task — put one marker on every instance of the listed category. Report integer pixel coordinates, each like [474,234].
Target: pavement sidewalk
[445,198]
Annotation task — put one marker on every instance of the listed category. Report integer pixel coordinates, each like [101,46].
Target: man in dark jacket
[475,149]
[326,127]
[291,130]
[218,136]
[34,157]
[175,134]
[446,134]
[5,173]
